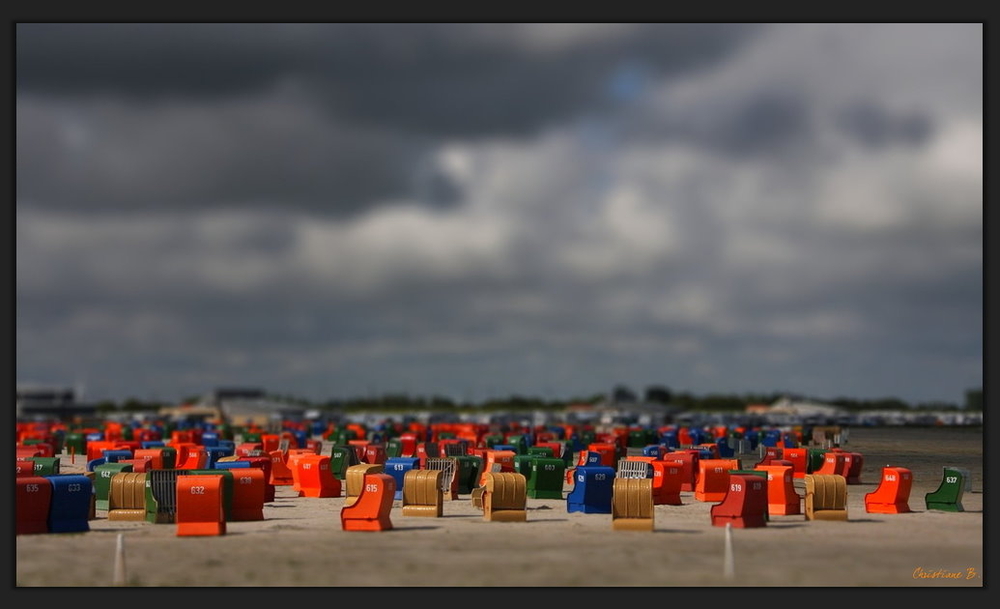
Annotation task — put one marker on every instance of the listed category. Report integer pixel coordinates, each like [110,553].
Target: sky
[482,210]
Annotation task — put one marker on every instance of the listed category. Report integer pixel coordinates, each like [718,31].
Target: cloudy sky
[338,210]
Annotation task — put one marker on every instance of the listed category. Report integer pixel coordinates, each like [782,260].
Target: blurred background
[467,211]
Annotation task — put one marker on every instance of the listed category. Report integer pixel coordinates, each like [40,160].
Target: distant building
[40,403]
[787,411]
[248,405]
[757,408]
[227,394]
[610,411]
[193,412]
[804,408]
[580,413]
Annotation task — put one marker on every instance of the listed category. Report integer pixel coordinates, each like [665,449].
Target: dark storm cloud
[499,209]
[874,126]
[763,122]
[247,155]
[151,61]
[469,90]
[331,118]
[468,79]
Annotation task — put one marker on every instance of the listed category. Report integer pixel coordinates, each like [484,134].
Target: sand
[300,542]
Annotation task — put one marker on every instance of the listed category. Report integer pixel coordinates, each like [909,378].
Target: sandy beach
[300,542]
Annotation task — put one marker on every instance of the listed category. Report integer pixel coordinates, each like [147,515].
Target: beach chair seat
[71,504]
[342,457]
[249,449]
[689,462]
[103,474]
[95,448]
[667,479]
[497,460]
[833,463]
[422,494]
[196,457]
[160,457]
[636,438]
[228,486]
[354,481]
[724,448]
[281,474]
[546,476]
[745,504]
[713,479]
[477,497]
[249,493]
[375,453]
[654,450]
[522,465]
[948,495]
[592,490]
[632,504]
[799,457]
[214,453]
[452,447]
[426,450]
[448,466]
[771,453]
[24,467]
[264,464]
[393,448]
[272,442]
[33,500]
[39,447]
[470,469]
[608,452]
[817,457]
[893,492]
[371,510]
[825,497]
[634,467]
[505,497]
[518,442]
[127,497]
[45,466]
[292,462]
[782,498]
[853,463]
[709,450]
[139,465]
[182,436]
[315,477]
[789,439]
[161,496]
[181,452]
[200,509]
[397,468]
[408,445]
[548,450]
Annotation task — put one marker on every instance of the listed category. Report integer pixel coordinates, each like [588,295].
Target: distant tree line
[658,394]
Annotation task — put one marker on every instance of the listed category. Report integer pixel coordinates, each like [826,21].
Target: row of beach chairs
[499,484]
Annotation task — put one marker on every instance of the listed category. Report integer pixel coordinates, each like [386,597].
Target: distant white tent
[786,405]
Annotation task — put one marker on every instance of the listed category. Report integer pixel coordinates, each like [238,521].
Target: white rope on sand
[728,567]
[120,561]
